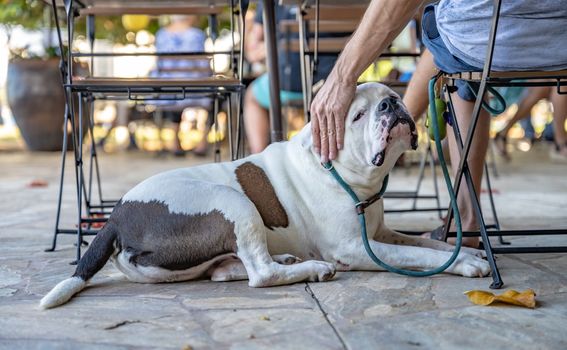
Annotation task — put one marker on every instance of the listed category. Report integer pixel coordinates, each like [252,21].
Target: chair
[485,79]
[227,86]
[341,22]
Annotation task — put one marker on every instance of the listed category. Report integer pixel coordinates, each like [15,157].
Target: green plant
[30,14]
[36,15]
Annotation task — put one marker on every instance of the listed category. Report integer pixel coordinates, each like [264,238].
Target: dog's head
[378,128]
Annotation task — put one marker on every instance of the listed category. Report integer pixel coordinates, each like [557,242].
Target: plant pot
[37,100]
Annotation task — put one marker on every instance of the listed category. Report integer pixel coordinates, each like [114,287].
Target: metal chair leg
[217,155]
[420,176]
[464,148]
[435,184]
[229,127]
[61,179]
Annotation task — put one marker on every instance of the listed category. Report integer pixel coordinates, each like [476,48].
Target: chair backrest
[337,22]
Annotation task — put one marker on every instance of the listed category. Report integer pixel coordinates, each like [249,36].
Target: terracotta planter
[36,97]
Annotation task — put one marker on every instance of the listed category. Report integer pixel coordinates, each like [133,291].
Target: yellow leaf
[525,298]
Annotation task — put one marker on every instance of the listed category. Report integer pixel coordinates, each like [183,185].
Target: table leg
[273,71]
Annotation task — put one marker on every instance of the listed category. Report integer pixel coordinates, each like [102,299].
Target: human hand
[328,113]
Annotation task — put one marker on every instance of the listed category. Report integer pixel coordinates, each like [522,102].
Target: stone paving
[357,310]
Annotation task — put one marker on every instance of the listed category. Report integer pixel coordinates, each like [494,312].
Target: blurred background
[31,97]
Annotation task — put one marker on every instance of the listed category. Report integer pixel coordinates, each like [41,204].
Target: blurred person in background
[257,98]
[556,130]
[182,35]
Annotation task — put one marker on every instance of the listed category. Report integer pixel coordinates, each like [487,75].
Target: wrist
[343,75]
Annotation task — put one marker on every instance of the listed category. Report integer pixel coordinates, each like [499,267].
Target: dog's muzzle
[395,114]
[398,115]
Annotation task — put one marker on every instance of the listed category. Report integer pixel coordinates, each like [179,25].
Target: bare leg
[476,159]
[416,97]
[559,114]
[204,124]
[177,149]
[524,109]
[233,269]
[256,122]
[535,94]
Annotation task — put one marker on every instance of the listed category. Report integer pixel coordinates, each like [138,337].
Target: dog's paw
[470,266]
[322,271]
[475,252]
[286,259]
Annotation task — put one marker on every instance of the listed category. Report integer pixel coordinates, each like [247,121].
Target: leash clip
[328,166]
[361,206]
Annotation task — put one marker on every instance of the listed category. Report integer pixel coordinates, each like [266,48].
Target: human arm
[381,23]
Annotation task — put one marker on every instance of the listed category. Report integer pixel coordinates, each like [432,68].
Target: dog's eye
[359,115]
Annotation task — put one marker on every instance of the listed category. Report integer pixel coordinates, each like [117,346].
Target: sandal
[438,234]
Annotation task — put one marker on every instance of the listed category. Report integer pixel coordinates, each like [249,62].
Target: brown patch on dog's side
[259,190]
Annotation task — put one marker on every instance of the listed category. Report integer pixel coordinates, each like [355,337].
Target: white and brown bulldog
[274,218]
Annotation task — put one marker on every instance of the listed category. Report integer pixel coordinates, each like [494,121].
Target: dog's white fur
[323,231]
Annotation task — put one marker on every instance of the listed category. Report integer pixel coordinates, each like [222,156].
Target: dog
[273,218]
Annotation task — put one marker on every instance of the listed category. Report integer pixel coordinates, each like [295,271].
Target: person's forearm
[382,22]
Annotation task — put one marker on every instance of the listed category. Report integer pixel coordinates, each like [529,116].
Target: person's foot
[559,154]
[501,142]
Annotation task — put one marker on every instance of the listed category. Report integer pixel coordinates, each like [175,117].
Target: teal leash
[362,205]
[360,210]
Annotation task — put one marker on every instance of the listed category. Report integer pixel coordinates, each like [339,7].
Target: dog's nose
[387,105]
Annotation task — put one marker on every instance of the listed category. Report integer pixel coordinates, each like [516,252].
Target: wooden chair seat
[149,9]
[326,45]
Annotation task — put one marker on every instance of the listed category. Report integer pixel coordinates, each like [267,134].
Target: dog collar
[360,205]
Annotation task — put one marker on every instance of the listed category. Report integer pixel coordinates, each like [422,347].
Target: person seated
[182,35]
[456,34]
[532,96]
[257,97]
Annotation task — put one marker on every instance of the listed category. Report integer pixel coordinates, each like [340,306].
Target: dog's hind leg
[229,270]
[262,270]
[233,269]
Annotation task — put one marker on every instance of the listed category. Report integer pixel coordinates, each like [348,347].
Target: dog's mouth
[379,158]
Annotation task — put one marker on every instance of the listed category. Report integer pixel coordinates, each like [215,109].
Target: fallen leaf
[264,318]
[37,183]
[525,298]
[187,347]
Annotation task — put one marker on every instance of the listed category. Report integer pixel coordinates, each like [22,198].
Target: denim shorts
[443,59]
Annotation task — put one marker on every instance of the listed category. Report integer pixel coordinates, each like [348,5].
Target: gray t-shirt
[531,35]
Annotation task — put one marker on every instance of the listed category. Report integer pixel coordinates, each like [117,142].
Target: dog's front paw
[322,271]
[470,266]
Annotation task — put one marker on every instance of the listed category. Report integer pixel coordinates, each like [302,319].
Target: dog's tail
[94,259]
